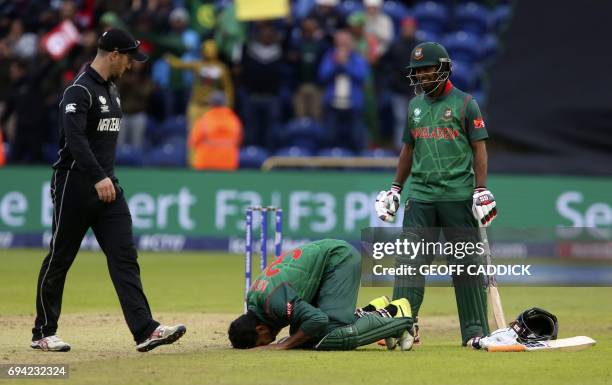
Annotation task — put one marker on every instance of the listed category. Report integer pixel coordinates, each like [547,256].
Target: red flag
[61,39]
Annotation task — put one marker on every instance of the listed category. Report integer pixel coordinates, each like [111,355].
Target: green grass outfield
[205,290]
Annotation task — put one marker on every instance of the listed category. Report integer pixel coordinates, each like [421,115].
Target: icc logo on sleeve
[417,115]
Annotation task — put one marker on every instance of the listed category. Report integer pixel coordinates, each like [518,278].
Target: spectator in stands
[210,75]
[343,73]
[395,63]
[365,43]
[2,152]
[5,79]
[110,20]
[136,89]
[230,35]
[379,25]
[262,64]
[25,96]
[216,137]
[328,17]
[84,53]
[23,45]
[182,41]
[305,56]
[158,11]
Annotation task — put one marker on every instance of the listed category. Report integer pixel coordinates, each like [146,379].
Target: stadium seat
[221,4]
[500,16]
[379,153]
[294,151]
[490,47]
[175,125]
[302,132]
[252,157]
[349,6]
[432,17]
[336,152]
[159,132]
[422,36]
[49,152]
[397,12]
[464,76]
[173,153]
[301,8]
[463,46]
[472,17]
[127,155]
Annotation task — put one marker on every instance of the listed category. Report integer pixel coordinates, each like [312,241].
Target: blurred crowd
[220,93]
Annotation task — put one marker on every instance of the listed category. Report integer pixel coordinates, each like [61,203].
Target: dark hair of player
[242,333]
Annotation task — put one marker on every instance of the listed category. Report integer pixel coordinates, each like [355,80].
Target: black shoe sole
[168,340]
[62,350]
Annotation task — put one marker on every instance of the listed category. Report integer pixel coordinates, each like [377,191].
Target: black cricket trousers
[76,208]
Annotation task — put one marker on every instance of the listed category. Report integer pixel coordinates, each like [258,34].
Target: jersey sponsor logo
[417,115]
[479,123]
[103,107]
[448,114]
[418,53]
[109,125]
[435,133]
[70,108]
[289,310]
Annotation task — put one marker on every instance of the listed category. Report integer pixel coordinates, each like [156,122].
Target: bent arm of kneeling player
[310,322]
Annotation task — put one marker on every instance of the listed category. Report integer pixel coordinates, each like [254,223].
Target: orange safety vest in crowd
[2,154]
[216,138]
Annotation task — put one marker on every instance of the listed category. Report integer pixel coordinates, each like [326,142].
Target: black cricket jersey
[90,119]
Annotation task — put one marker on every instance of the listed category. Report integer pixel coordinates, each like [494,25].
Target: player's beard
[429,88]
[115,76]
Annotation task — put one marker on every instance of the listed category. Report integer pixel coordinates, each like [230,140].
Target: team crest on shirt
[418,53]
[448,114]
[103,106]
[70,108]
[417,115]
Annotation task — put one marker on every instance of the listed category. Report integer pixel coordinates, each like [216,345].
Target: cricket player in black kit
[86,194]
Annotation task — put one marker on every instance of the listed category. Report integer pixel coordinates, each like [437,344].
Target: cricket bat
[493,293]
[568,344]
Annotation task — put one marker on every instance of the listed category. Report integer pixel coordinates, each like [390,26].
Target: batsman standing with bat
[86,194]
[444,154]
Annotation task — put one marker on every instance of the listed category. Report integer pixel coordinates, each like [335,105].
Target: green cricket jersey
[441,131]
[284,293]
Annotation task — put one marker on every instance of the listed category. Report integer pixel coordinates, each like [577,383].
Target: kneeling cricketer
[313,290]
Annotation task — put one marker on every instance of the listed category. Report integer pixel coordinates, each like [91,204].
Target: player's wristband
[396,187]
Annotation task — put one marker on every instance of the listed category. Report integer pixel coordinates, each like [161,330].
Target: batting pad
[364,331]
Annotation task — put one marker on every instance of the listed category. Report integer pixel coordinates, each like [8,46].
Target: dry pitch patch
[103,336]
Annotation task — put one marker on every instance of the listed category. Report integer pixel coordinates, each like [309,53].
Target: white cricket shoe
[161,336]
[405,341]
[50,344]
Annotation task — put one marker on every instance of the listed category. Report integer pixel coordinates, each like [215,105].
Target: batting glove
[483,206]
[388,202]
[500,337]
